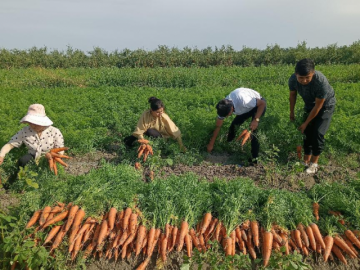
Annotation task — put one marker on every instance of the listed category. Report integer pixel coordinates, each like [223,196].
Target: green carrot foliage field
[96,108]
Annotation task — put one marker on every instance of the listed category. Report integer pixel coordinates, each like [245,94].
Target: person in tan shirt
[155,123]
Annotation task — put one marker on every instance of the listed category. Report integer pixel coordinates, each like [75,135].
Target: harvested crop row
[122,233]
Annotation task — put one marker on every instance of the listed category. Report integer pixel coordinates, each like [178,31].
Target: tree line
[164,56]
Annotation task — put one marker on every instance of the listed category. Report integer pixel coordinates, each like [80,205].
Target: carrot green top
[163,124]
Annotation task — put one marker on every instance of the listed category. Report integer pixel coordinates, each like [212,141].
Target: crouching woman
[155,123]
[39,136]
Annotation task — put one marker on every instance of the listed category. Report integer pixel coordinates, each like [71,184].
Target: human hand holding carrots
[253,125]
[144,149]
[54,157]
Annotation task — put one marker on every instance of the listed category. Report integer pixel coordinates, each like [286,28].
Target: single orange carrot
[77,245]
[276,237]
[52,234]
[146,153]
[351,236]
[311,237]
[217,231]
[174,234]
[293,245]
[140,239]
[304,236]
[151,239]
[156,239]
[85,226]
[76,225]
[163,247]
[329,242]
[56,219]
[233,242]
[143,265]
[55,168]
[141,150]
[168,229]
[297,238]
[143,141]
[53,154]
[34,219]
[45,213]
[150,149]
[184,229]
[59,160]
[129,239]
[255,232]
[188,244]
[72,212]
[205,222]
[211,228]
[348,242]
[132,223]
[137,165]
[238,236]
[126,218]
[316,210]
[317,235]
[51,164]
[195,239]
[339,254]
[250,246]
[103,232]
[227,245]
[305,250]
[123,238]
[286,242]
[243,235]
[267,246]
[57,209]
[202,243]
[344,247]
[57,150]
[111,218]
[58,239]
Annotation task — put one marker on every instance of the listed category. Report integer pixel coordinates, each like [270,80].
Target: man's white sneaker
[313,168]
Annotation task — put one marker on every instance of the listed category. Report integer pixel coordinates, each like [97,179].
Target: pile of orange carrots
[144,149]
[121,233]
[54,157]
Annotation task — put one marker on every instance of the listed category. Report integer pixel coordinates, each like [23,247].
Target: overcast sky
[145,24]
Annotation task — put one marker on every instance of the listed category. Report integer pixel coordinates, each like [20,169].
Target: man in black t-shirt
[319,99]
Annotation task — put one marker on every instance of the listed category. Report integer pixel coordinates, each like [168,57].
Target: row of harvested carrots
[119,234]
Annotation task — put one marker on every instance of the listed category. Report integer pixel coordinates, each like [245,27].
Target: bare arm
[4,150]
[260,110]
[292,99]
[313,113]
[219,123]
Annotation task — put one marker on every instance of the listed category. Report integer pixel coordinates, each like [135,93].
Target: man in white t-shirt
[244,103]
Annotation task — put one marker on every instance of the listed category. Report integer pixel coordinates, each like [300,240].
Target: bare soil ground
[215,166]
